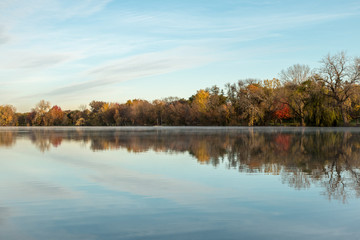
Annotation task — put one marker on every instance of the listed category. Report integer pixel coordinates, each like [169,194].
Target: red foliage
[56,109]
[283,112]
[56,112]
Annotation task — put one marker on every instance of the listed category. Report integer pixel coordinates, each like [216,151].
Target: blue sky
[72,52]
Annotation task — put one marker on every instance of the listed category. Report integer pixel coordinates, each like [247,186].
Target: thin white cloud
[180,22]
[278,22]
[35,60]
[84,8]
[13,12]
[139,66]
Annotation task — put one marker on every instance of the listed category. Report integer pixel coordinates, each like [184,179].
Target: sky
[72,52]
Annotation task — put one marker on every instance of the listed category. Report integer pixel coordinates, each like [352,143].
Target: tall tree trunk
[302,121]
[302,115]
[343,113]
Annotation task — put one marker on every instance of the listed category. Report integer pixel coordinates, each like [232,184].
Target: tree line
[327,96]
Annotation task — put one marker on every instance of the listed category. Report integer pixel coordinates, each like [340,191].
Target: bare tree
[295,91]
[82,107]
[296,74]
[339,74]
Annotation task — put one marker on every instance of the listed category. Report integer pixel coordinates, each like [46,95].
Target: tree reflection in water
[329,158]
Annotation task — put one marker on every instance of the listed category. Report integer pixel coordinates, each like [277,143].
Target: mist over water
[176,183]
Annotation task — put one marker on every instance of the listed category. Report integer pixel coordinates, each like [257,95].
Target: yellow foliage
[201,100]
[271,84]
[7,115]
[105,107]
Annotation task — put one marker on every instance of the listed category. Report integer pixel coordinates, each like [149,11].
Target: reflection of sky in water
[153,188]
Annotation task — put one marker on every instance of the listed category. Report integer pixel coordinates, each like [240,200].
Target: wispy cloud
[181,22]
[36,61]
[15,11]
[65,9]
[278,21]
[143,65]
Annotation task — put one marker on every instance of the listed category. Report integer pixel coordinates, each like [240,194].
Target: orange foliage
[253,87]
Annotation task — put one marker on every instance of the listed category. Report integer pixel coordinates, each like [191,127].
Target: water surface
[179,183]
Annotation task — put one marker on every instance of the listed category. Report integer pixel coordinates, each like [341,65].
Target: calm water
[179,183]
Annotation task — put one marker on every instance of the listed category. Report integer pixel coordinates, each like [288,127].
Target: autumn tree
[270,102]
[55,116]
[7,115]
[243,97]
[251,101]
[40,112]
[283,112]
[106,113]
[142,113]
[159,108]
[295,94]
[178,112]
[97,108]
[72,117]
[199,105]
[217,106]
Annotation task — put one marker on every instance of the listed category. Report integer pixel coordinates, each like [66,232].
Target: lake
[179,183]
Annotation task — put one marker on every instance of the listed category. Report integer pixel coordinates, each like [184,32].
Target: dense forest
[327,96]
